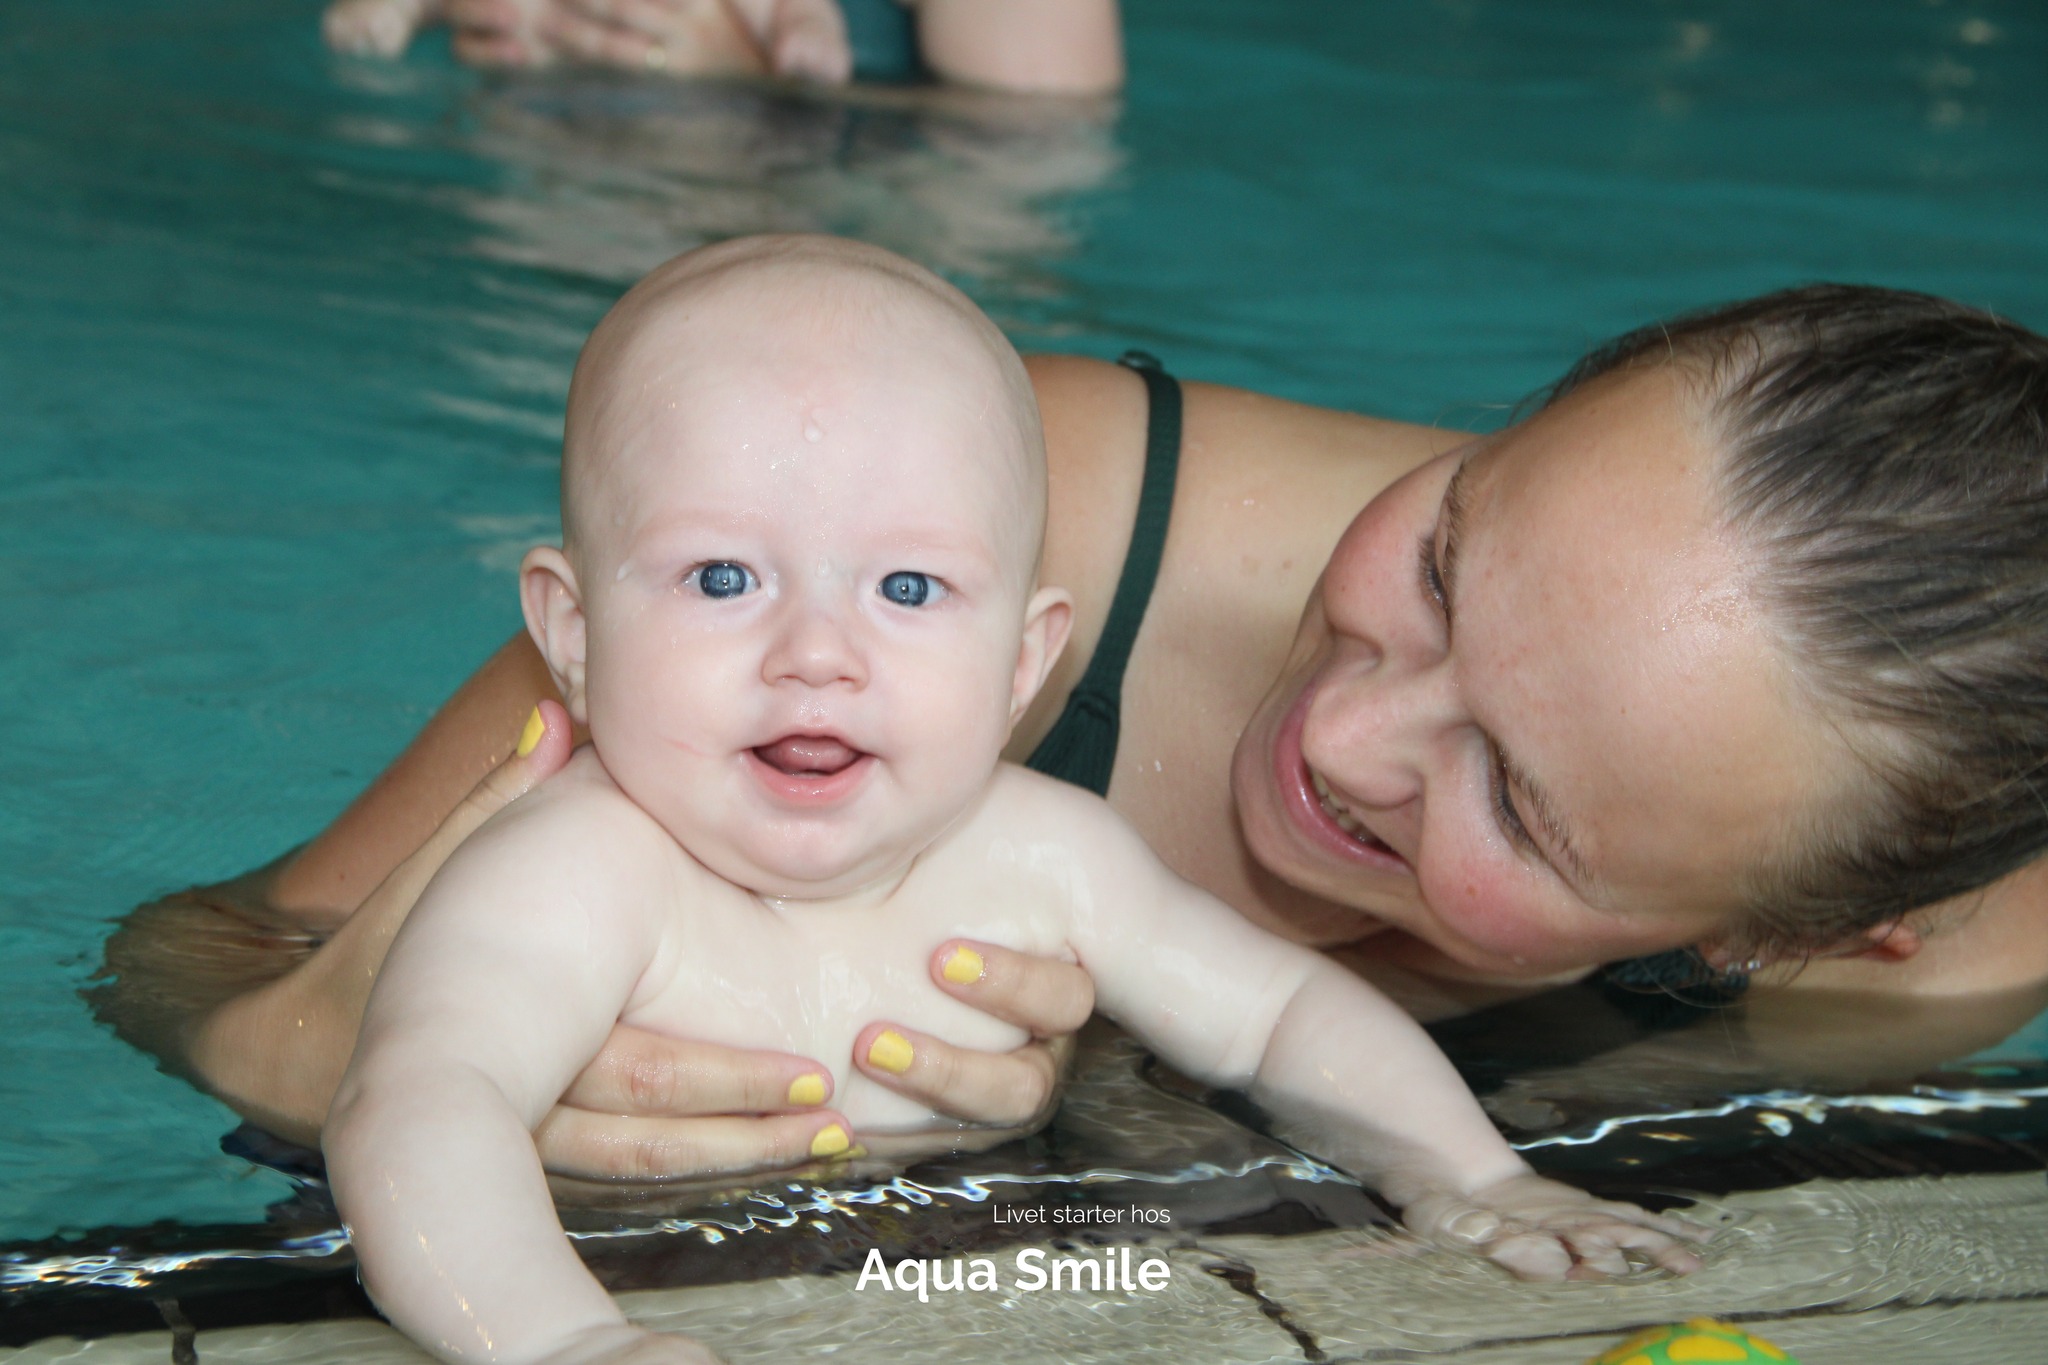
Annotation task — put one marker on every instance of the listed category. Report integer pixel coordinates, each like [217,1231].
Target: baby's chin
[785,874]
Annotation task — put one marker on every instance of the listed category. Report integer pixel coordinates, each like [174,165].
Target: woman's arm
[456,765]
[1053,47]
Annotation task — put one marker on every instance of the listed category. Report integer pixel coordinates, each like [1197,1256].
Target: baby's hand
[625,1345]
[1541,1230]
[374,28]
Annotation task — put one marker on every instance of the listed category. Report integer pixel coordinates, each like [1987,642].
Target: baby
[803,39]
[803,491]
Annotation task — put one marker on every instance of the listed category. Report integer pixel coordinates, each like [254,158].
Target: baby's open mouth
[1340,813]
[808,755]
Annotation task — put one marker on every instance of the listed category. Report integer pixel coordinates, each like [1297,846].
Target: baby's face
[804,588]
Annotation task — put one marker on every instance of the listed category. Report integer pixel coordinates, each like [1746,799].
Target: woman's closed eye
[1431,574]
[1504,811]
[722,579]
[908,588]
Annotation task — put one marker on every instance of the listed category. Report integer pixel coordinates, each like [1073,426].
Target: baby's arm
[503,983]
[1347,1072]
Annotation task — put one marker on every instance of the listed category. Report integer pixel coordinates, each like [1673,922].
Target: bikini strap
[1081,746]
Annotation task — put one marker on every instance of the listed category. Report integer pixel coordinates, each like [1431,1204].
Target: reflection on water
[1623,1089]
[1122,1161]
[608,179]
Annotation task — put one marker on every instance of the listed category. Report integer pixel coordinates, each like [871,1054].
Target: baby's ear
[1048,619]
[554,618]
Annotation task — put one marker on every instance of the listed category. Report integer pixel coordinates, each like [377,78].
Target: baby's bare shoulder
[1024,810]
[579,822]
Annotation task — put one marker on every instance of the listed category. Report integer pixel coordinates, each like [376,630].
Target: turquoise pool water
[287,339]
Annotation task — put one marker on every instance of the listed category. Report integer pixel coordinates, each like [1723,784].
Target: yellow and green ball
[1698,1342]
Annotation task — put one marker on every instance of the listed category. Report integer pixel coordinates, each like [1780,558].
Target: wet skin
[1549,721]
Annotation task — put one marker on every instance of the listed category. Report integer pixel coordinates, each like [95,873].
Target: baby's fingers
[651,1075]
[976,1087]
[1531,1256]
[1669,1225]
[1452,1220]
[591,1146]
[1603,1245]
[1666,1251]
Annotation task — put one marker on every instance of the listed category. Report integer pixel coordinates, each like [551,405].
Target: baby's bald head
[788,333]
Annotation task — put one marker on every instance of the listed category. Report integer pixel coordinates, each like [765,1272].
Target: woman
[1737,646]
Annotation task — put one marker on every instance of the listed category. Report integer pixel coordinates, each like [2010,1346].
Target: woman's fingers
[1006,1088]
[651,17]
[1043,997]
[351,958]
[601,44]
[479,48]
[652,1075]
[543,747]
[485,16]
[493,33]
[695,37]
[591,1146]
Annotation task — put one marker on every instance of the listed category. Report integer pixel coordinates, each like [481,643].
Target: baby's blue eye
[723,580]
[907,589]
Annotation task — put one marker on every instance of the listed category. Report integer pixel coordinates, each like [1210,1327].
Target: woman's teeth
[1346,821]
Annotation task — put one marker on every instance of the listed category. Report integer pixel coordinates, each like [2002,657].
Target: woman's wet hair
[1886,461]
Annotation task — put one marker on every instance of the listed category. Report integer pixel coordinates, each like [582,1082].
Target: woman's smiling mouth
[1317,813]
[1337,811]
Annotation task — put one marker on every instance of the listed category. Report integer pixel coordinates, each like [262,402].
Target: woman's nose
[816,644]
[1374,730]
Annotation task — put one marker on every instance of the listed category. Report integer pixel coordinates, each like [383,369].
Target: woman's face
[1533,719]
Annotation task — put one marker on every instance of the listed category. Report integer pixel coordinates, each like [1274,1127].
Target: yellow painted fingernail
[963,967]
[830,1141]
[892,1052]
[529,738]
[807,1089]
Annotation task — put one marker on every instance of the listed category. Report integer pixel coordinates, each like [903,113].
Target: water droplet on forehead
[812,432]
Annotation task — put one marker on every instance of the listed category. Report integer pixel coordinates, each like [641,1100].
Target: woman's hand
[1001,1094]
[679,37]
